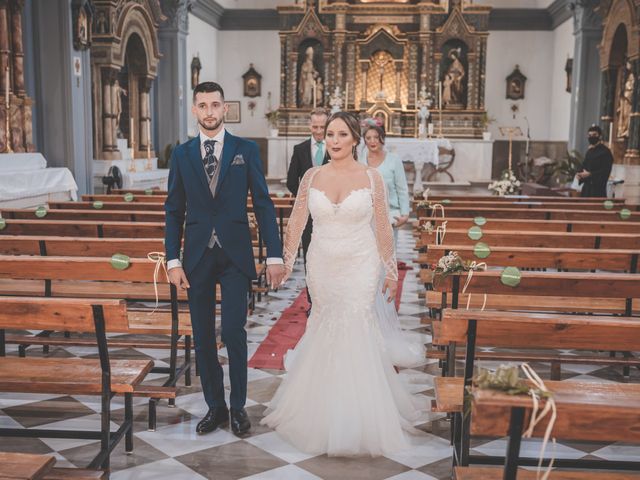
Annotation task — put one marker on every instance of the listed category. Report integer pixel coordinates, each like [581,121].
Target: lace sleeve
[382,226]
[297,220]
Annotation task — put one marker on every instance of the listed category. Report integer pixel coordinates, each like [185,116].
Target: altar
[26,182]
[472,163]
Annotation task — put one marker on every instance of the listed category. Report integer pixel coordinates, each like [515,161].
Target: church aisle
[175,452]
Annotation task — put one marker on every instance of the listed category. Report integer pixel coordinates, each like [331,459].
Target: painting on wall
[233,112]
[515,84]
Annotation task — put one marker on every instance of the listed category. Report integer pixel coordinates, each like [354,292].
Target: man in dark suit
[596,167]
[209,179]
[310,153]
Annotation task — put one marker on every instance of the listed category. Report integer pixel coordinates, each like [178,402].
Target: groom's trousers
[215,267]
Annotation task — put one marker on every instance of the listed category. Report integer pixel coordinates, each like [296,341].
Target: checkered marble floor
[175,452]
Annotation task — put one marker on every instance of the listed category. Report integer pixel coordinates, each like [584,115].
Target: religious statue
[118,92]
[456,74]
[447,99]
[309,77]
[335,100]
[319,91]
[624,106]
[101,23]
[380,60]
[423,104]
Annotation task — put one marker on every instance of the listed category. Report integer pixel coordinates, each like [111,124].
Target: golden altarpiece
[378,56]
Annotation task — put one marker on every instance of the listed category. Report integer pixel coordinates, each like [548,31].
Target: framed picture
[252,82]
[515,84]
[233,113]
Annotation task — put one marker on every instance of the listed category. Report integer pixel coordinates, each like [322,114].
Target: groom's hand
[178,278]
[275,275]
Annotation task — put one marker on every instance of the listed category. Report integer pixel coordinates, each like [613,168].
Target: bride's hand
[390,286]
[287,274]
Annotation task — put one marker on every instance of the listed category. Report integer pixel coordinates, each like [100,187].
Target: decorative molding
[218,17]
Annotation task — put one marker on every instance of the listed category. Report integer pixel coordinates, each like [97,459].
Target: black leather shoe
[215,417]
[240,423]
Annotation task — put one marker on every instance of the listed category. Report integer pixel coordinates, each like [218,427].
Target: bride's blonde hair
[352,124]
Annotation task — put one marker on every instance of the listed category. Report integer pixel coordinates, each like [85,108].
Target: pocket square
[238,160]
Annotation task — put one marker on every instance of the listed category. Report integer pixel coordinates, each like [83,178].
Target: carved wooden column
[4,43]
[414,80]
[351,73]
[283,71]
[632,155]
[482,54]
[17,48]
[607,100]
[293,77]
[363,98]
[399,67]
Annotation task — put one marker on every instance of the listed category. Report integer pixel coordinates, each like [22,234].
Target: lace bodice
[363,212]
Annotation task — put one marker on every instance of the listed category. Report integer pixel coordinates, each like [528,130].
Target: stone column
[109,127]
[607,99]
[17,48]
[145,114]
[585,90]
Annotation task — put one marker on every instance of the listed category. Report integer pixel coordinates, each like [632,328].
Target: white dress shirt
[217,151]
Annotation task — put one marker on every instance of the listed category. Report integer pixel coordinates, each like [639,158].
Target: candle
[148,139]
[440,95]
[314,95]
[611,134]
[346,96]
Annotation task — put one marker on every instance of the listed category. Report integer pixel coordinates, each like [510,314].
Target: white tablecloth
[18,162]
[416,151]
[21,184]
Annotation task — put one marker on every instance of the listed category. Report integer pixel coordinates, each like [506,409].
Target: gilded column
[144,119]
[283,71]
[607,98]
[632,155]
[351,73]
[17,48]
[4,44]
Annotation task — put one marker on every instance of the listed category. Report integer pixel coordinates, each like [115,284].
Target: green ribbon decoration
[148,191]
[280,194]
[446,201]
[608,204]
[128,197]
[480,221]
[475,233]
[41,211]
[625,213]
[481,250]
[511,277]
[98,204]
[3,223]
[120,261]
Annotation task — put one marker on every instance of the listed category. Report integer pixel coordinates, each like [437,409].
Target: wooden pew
[91,277]
[511,198]
[585,411]
[93,214]
[535,214]
[532,204]
[626,241]
[514,224]
[537,258]
[529,331]
[73,376]
[28,466]
[84,228]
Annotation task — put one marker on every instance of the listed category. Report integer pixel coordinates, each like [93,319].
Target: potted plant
[272,117]
[486,120]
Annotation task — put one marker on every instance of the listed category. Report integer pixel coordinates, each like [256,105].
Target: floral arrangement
[507,185]
[428,227]
[371,122]
[448,264]
[272,117]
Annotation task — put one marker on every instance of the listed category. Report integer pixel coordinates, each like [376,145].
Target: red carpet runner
[289,328]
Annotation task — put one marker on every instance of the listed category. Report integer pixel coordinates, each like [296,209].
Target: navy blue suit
[191,209]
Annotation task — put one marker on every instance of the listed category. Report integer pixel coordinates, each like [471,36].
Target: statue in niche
[309,77]
[335,100]
[624,104]
[446,90]
[101,23]
[456,74]
[119,92]
[380,60]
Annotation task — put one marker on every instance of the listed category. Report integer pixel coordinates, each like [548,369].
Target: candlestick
[611,135]
[430,129]
[132,143]
[416,95]
[346,96]
[7,122]
[440,95]
[510,149]
[314,94]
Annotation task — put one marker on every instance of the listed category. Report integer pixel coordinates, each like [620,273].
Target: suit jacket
[300,163]
[599,161]
[191,209]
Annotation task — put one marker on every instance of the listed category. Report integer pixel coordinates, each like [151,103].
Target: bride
[342,395]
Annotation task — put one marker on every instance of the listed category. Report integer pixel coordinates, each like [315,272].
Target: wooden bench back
[511,198]
[75,315]
[536,214]
[84,228]
[122,206]
[528,204]
[515,225]
[89,214]
[135,198]
[626,241]
[604,412]
[534,257]
[540,331]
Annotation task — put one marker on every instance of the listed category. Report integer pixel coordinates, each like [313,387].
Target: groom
[209,179]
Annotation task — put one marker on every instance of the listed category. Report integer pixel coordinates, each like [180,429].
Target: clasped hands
[583,174]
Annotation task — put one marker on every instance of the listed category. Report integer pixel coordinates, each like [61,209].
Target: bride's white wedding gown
[341,395]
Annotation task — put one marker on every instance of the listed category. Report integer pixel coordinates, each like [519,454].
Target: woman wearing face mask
[342,395]
[596,167]
[392,170]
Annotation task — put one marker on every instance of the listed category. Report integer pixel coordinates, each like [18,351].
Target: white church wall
[560,101]
[236,50]
[202,41]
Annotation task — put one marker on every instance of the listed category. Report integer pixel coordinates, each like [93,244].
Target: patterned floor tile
[359,468]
